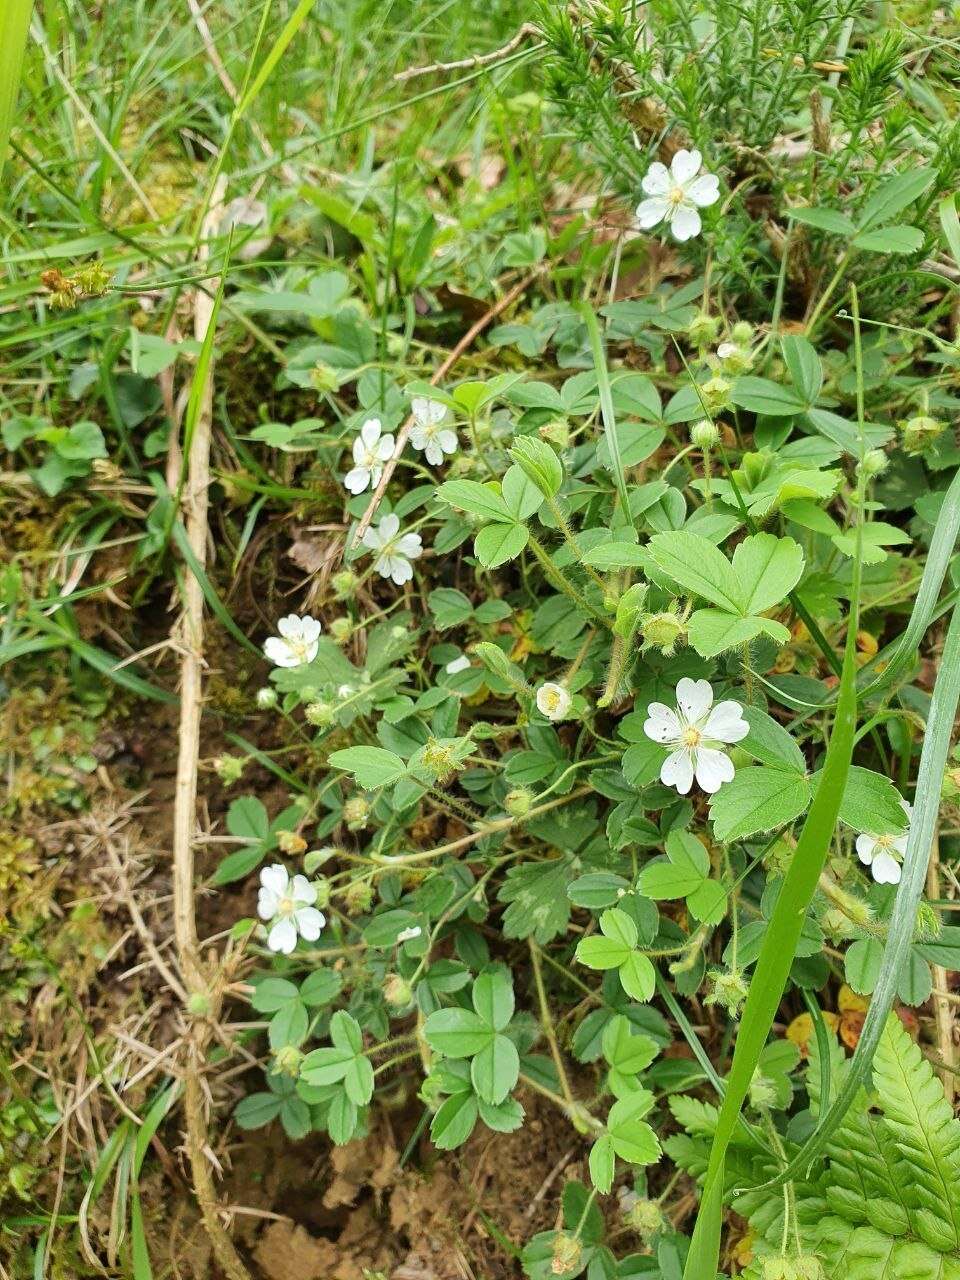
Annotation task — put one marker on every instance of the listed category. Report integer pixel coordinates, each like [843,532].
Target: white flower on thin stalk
[394,550]
[289,904]
[428,433]
[297,643]
[884,854]
[553,700]
[370,451]
[697,732]
[675,195]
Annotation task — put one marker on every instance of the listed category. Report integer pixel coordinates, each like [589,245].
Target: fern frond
[925,1131]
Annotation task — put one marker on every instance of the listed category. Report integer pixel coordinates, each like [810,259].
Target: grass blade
[607,410]
[933,758]
[14,25]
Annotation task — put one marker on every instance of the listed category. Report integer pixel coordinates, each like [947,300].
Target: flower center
[298,648]
[691,737]
[676,196]
[886,844]
[286,906]
[552,699]
[370,460]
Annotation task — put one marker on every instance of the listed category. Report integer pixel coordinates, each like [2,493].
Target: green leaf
[893,195]
[684,869]
[520,495]
[871,803]
[602,1161]
[823,219]
[712,632]
[495,544]
[699,567]
[247,818]
[760,395]
[616,555]
[495,1069]
[477,499]
[875,536]
[769,742]
[454,1121]
[767,569]
[902,239]
[371,766]
[638,976]
[257,1110]
[626,1051]
[633,1139]
[803,364]
[602,953]
[288,1026]
[457,1033]
[759,798]
[539,463]
[493,998]
[449,607]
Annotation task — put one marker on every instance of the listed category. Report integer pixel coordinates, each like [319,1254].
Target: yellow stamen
[691,737]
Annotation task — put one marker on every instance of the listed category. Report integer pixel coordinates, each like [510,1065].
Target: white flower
[395,549]
[458,664]
[553,700]
[884,854]
[696,734]
[428,434]
[289,903]
[297,642]
[673,194]
[726,350]
[407,935]
[370,451]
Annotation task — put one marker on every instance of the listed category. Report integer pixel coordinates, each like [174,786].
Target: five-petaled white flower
[289,904]
[674,194]
[697,734]
[394,549]
[553,700]
[370,451]
[428,433]
[297,642]
[884,854]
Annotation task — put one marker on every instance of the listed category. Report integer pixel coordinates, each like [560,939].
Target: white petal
[410,545]
[726,723]
[311,628]
[885,870]
[301,890]
[677,771]
[357,479]
[652,211]
[372,539]
[907,808]
[275,878]
[704,190]
[360,452]
[433,453]
[310,921]
[385,447]
[370,432]
[866,848]
[418,438]
[400,570]
[427,411]
[289,627]
[713,769]
[447,440]
[662,724]
[727,349]
[656,181]
[283,936]
[278,652]
[267,904]
[694,698]
[685,165]
[900,843]
[389,527]
[685,223]
[457,665]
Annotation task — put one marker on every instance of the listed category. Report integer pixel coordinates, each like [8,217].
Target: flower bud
[919,433]
[286,1061]
[716,394]
[742,333]
[875,461]
[927,926]
[646,1218]
[322,887]
[728,988]
[341,629]
[343,582]
[397,992]
[704,434]
[199,1004]
[324,378]
[229,769]
[763,1092]
[439,759]
[556,432]
[320,714]
[703,330]
[663,631]
[567,1252]
[358,897]
[356,811]
[290,842]
[266,698]
[518,802]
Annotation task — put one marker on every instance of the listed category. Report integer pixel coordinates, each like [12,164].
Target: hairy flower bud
[518,802]
[704,434]
[320,714]
[229,769]
[356,811]
[266,698]
[644,1216]
[728,988]
[341,629]
[716,394]
[290,842]
[742,333]
[567,1252]
[919,433]
[875,461]
[358,897]
[439,759]
[556,432]
[927,926]
[343,582]
[663,631]
[287,1060]
[397,992]
[703,330]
